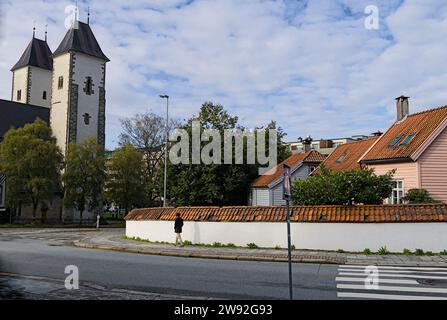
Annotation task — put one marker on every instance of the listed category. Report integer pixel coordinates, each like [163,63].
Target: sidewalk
[114,241]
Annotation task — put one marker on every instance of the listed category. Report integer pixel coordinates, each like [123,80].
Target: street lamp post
[166,147]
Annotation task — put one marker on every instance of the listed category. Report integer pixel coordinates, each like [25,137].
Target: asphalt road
[220,279]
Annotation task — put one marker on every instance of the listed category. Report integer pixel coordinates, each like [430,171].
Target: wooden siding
[433,166]
[261,197]
[408,172]
[301,173]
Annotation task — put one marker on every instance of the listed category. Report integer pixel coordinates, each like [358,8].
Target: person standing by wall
[178,225]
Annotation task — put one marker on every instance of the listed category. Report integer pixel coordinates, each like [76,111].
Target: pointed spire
[46,33]
[34,29]
[88,16]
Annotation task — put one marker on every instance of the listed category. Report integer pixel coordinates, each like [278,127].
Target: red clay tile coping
[320,214]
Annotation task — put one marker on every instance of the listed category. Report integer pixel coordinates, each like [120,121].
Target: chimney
[377,134]
[307,144]
[403,108]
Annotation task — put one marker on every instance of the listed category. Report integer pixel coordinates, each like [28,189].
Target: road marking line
[348,279]
[393,288]
[394,275]
[394,271]
[391,267]
[386,296]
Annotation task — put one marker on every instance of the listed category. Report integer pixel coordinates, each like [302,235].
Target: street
[207,278]
[33,265]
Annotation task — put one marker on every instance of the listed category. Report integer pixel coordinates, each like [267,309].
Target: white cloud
[309,65]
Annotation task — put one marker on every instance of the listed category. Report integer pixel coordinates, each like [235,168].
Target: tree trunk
[35,205]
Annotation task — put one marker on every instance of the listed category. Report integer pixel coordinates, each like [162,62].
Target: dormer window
[60,83]
[44,95]
[19,95]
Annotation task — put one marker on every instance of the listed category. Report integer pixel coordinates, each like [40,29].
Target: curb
[192,254]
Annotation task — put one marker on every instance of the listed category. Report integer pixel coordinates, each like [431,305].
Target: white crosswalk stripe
[388,282]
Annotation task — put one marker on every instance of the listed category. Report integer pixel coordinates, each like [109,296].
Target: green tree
[360,186]
[125,179]
[216,184]
[419,196]
[84,176]
[31,162]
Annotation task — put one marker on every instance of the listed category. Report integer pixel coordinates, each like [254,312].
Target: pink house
[416,147]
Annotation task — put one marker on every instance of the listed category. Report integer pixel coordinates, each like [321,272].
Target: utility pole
[166,147]
[287,195]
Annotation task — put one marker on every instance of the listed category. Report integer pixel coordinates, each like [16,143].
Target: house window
[88,89]
[394,142]
[19,95]
[398,192]
[60,83]
[44,95]
[311,169]
[342,157]
[87,118]
[407,139]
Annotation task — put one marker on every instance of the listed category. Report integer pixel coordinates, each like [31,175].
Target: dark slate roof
[37,54]
[81,40]
[16,115]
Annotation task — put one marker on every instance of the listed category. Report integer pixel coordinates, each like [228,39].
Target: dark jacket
[178,225]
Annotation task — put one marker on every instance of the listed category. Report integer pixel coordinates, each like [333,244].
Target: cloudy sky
[310,65]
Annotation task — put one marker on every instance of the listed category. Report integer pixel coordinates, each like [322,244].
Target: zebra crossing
[391,282]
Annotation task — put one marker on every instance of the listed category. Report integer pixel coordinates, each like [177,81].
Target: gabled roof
[293,161]
[314,214]
[418,130]
[37,54]
[346,156]
[16,115]
[81,40]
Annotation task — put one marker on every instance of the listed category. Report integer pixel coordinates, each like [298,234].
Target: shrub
[383,250]
[217,245]
[341,251]
[415,196]
[231,245]
[407,252]
[419,252]
[429,253]
[443,252]
[292,247]
[366,251]
[252,246]
[340,188]
[187,243]
[278,248]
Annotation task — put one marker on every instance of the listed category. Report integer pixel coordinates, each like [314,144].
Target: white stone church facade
[67,86]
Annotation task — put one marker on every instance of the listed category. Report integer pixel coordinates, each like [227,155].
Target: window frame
[400,192]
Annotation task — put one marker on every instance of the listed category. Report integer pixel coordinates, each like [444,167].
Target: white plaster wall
[59,100]
[40,81]
[86,66]
[19,82]
[316,236]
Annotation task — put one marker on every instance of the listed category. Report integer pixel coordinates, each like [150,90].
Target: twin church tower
[70,82]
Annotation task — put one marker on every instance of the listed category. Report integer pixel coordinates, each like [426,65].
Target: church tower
[78,88]
[32,75]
